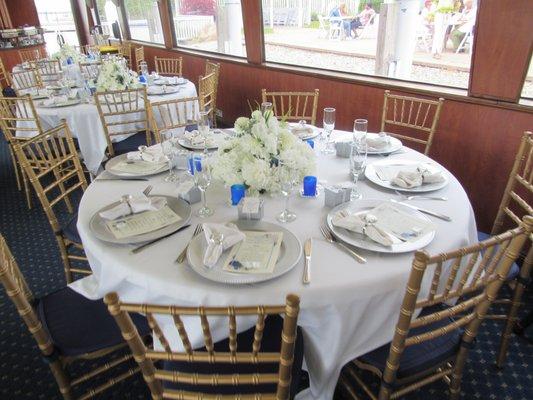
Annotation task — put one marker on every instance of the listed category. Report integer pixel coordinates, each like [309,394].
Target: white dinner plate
[68,103]
[363,242]
[123,157]
[100,230]
[370,173]
[290,253]
[158,90]
[311,135]
[217,140]
[394,145]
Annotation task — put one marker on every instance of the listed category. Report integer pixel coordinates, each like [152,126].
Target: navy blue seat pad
[515,269]
[422,356]
[70,230]
[78,325]
[271,343]
[131,143]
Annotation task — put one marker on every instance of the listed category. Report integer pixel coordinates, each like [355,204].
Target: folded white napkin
[422,175]
[134,205]
[378,142]
[55,100]
[219,238]
[363,223]
[301,130]
[152,154]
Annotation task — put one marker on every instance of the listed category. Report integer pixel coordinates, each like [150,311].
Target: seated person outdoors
[464,24]
[363,18]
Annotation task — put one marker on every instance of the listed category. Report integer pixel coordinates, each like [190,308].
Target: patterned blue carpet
[23,375]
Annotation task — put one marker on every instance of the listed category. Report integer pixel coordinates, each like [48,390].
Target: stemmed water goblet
[328,125]
[201,171]
[358,156]
[287,177]
[203,128]
[360,128]
[169,152]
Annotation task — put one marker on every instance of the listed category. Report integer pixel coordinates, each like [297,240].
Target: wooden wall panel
[502,49]
[22,12]
[477,143]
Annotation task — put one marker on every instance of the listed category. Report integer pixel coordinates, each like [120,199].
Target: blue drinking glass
[237,193]
[310,186]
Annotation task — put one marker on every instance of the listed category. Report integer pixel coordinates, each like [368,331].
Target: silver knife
[148,244]
[423,210]
[307,266]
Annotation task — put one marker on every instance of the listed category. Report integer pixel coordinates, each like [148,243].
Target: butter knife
[425,211]
[307,266]
[151,242]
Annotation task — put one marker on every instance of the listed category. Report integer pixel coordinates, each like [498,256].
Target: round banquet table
[84,123]
[348,308]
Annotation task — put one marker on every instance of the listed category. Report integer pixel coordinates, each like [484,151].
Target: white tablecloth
[346,311]
[84,122]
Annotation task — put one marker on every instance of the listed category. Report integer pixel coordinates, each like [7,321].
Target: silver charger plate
[154,90]
[164,81]
[217,139]
[311,135]
[290,253]
[123,157]
[370,173]
[394,145]
[362,242]
[98,226]
[70,102]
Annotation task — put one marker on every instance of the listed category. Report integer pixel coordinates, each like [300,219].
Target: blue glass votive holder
[237,193]
[310,186]
[191,165]
[311,143]
[198,163]
[70,61]
[142,79]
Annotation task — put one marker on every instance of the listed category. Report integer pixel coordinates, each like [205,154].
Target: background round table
[346,311]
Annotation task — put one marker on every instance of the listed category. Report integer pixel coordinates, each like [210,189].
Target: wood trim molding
[253,31]
[166,23]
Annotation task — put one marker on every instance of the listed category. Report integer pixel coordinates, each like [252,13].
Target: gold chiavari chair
[49,71]
[59,177]
[90,70]
[516,203]
[432,344]
[207,87]
[139,57]
[26,80]
[213,68]
[19,121]
[68,328]
[235,367]
[172,114]
[124,113]
[5,79]
[411,114]
[168,66]
[294,106]
[29,55]
[124,49]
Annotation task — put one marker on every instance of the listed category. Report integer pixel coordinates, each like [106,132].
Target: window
[144,20]
[527,89]
[210,25]
[56,18]
[107,14]
[429,41]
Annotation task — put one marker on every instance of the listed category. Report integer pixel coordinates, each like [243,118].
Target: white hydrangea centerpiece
[260,143]
[67,51]
[115,75]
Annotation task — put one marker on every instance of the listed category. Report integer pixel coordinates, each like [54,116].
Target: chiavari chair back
[124,114]
[207,87]
[26,80]
[49,335]
[211,385]
[90,70]
[516,203]
[412,114]
[175,114]
[124,49]
[5,79]
[29,55]
[294,106]
[168,66]
[468,277]
[57,177]
[49,70]
[139,57]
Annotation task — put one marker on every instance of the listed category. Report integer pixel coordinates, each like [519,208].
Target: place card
[251,208]
[256,254]
[138,224]
[189,192]
[401,224]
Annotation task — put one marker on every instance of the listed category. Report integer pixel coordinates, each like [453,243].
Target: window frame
[126,29]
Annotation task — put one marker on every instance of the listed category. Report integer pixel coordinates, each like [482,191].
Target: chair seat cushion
[271,343]
[70,230]
[131,143]
[515,269]
[78,325]
[419,357]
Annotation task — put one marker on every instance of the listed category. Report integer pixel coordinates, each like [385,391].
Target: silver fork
[199,228]
[329,237]
[148,189]
[420,197]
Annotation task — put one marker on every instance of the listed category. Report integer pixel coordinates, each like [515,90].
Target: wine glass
[202,179]
[358,155]
[328,125]
[203,127]
[360,127]
[287,178]
[169,152]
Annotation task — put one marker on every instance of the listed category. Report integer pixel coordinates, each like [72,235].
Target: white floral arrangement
[67,51]
[260,143]
[115,75]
